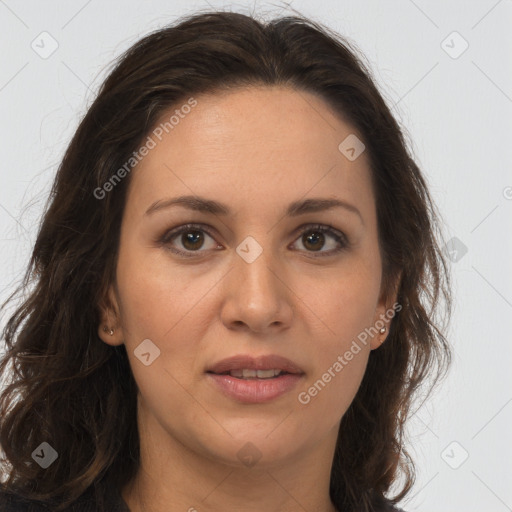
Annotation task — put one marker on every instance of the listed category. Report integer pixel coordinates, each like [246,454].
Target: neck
[174,478]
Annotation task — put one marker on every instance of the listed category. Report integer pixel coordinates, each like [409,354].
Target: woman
[232,289]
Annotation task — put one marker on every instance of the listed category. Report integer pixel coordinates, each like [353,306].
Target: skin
[256,150]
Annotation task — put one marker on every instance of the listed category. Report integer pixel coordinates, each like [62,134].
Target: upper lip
[265,362]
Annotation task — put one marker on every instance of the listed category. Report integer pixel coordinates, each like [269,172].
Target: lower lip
[255,391]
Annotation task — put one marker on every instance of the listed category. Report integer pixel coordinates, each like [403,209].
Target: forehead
[261,144]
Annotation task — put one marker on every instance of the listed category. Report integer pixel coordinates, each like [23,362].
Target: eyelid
[174,232]
[336,234]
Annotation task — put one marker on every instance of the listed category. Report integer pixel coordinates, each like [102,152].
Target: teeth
[254,374]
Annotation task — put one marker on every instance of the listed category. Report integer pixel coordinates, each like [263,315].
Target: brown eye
[194,237]
[192,240]
[315,238]
[313,241]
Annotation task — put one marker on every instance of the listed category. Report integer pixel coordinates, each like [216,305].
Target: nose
[257,296]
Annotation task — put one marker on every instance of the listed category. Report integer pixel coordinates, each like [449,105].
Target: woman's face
[247,282]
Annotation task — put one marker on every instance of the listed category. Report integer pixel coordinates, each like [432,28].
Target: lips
[248,380]
[246,362]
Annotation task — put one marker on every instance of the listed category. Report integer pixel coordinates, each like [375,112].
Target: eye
[192,239]
[313,238]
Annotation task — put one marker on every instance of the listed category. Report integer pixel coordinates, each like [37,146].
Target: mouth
[250,374]
[244,366]
[254,380]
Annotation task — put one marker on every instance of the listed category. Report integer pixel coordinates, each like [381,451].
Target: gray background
[456,107]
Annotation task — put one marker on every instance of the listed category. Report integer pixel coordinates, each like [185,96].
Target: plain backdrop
[443,67]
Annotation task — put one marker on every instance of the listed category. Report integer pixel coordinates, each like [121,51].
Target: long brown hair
[77,393]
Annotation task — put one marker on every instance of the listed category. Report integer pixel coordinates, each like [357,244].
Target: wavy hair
[74,391]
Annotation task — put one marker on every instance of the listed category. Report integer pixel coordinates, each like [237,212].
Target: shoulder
[10,502]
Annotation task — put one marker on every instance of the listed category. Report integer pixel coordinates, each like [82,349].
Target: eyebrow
[296,208]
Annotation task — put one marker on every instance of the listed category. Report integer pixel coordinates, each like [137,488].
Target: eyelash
[317,228]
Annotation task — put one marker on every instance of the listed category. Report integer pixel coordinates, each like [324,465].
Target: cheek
[166,305]
[347,310]
[347,301]
[339,367]
[155,295]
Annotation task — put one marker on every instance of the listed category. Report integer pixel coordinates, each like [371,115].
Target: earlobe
[380,337]
[109,335]
[388,306]
[109,329]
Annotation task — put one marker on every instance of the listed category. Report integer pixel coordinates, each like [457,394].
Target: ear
[109,329]
[386,310]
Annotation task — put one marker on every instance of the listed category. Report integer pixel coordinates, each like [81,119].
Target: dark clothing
[12,503]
